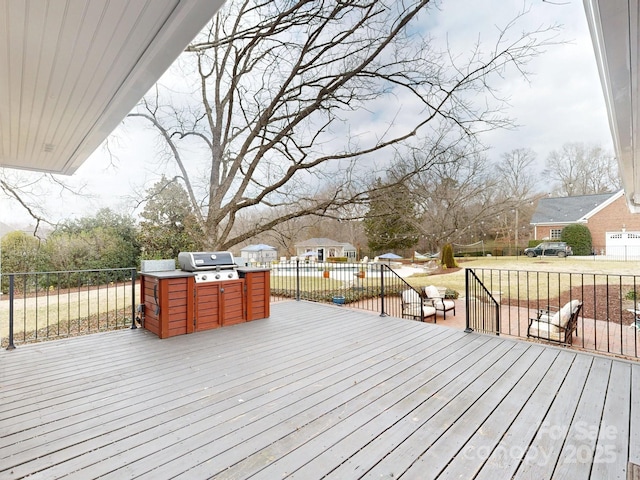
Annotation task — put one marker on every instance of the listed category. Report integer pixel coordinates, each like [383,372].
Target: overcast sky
[561,102]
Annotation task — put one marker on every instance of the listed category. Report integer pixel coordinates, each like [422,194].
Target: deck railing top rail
[608,320]
[49,305]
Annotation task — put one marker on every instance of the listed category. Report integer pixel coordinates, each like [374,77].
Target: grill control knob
[204,277]
[231,275]
[217,276]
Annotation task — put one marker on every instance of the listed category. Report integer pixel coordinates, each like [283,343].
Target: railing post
[11,346]
[382,313]
[467,296]
[133,299]
[297,279]
[497,306]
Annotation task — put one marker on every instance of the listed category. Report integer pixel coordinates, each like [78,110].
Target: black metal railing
[483,308]
[367,286]
[608,320]
[47,305]
[40,306]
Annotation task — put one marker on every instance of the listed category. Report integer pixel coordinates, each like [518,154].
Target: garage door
[623,245]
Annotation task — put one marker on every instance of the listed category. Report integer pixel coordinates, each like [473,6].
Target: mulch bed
[442,271]
[600,302]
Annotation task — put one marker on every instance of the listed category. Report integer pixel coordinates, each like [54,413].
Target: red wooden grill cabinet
[258,292]
[174,304]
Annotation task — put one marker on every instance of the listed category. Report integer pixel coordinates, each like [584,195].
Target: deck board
[579,449]
[365,417]
[551,436]
[414,411]
[509,424]
[519,383]
[612,445]
[634,423]
[313,391]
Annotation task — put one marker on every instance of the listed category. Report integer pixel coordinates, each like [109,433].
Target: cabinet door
[258,294]
[207,306]
[174,305]
[151,300]
[166,305]
[232,302]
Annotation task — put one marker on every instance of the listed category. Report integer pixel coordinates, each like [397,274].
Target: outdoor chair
[636,320]
[440,303]
[556,325]
[415,307]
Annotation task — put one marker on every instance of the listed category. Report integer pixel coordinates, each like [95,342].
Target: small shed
[259,253]
[325,248]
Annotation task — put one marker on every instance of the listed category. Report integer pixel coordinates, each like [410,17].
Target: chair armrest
[542,318]
[548,310]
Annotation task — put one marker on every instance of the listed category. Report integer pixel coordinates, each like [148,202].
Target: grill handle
[155,298]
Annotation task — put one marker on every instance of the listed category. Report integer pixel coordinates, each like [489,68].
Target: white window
[556,233]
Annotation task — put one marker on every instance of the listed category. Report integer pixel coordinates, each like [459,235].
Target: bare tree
[518,176]
[455,195]
[298,98]
[518,189]
[579,169]
[28,193]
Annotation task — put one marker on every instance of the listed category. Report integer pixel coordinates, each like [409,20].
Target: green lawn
[572,271]
[509,276]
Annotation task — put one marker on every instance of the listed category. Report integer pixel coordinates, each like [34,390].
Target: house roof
[257,248]
[70,71]
[615,32]
[325,242]
[563,210]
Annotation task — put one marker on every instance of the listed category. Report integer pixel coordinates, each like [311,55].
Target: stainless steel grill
[210,266]
[213,276]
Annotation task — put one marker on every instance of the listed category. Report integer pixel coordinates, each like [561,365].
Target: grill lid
[196,261]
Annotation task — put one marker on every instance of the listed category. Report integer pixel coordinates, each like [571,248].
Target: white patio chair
[440,303]
[556,325]
[415,307]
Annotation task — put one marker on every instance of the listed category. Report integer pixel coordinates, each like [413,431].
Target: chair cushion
[432,291]
[411,296]
[428,311]
[412,310]
[544,330]
[566,311]
[449,304]
[555,319]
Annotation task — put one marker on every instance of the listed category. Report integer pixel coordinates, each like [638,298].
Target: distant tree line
[293,120]
[462,198]
[465,197]
[106,240]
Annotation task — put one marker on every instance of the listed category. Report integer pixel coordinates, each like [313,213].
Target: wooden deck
[314,391]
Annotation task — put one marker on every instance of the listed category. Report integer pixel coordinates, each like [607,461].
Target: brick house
[606,215]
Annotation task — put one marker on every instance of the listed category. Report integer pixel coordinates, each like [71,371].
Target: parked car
[561,249]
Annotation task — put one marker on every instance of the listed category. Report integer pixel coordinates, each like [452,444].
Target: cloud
[561,103]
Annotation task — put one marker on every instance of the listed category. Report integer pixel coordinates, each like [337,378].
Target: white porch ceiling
[614,30]
[71,70]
